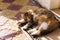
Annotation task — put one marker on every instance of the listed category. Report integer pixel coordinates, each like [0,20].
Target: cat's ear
[31,12]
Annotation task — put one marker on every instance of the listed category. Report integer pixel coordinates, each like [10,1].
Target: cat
[45,21]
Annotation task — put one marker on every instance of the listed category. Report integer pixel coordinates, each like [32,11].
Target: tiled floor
[57,11]
[52,36]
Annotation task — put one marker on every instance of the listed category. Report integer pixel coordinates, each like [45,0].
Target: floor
[11,10]
[52,36]
[57,11]
[14,8]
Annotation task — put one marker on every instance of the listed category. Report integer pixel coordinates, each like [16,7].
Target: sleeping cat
[44,19]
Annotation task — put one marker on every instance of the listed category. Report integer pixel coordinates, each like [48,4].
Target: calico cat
[44,19]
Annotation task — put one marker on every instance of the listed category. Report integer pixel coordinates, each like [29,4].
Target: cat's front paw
[35,33]
[31,30]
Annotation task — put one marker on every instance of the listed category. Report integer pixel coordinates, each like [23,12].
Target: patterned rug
[13,8]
